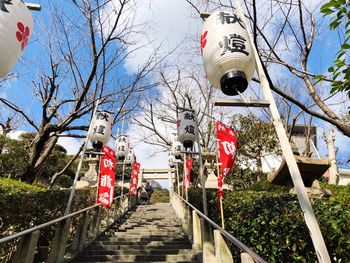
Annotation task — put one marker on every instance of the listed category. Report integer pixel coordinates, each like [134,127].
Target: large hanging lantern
[122,147]
[101,129]
[176,149]
[186,128]
[130,158]
[228,55]
[16,25]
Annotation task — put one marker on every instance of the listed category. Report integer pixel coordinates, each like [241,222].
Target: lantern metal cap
[97,145]
[232,82]
[188,144]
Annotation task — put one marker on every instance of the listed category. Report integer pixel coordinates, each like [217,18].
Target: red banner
[106,182]
[228,151]
[187,181]
[134,179]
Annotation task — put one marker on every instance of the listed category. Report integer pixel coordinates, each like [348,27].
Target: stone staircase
[151,234]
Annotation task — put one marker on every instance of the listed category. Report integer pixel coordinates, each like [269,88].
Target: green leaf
[331,69]
[334,24]
[345,46]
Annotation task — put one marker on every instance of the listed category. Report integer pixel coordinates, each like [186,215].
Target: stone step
[142,235]
[142,243]
[140,252]
[153,245]
[137,258]
[146,239]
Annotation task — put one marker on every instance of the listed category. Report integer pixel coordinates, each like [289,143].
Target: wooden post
[196,223]
[122,190]
[26,248]
[222,251]
[305,204]
[201,170]
[59,242]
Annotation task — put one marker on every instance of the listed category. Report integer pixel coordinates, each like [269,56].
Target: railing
[212,244]
[69,239]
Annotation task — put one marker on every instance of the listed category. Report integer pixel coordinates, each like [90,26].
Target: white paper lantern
[122,146]
[171,160]
[228,56]
[16,25]
[186,128]
[130,158]
[176,149]
[101,129]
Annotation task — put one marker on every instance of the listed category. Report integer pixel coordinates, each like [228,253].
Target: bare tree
[86,48]
[179,89]
[285,33]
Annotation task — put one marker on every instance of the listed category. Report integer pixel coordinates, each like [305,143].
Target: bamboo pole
[72,192]
[177,178]
[218,174]
[305,204]
[185,175]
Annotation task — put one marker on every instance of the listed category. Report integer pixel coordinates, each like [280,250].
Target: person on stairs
[149,190]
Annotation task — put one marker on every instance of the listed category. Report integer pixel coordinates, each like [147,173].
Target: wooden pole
[72,192]
[305,204]
[177,178]
[218,175]
[333,169]
[122,190]
[185,179]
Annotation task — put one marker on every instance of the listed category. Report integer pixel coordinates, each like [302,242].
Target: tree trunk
[40,149]
[259,172]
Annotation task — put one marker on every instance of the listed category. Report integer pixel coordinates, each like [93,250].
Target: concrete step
[141,243]
[144,251]
[137,258]
[143,235]
[145,239]
[151,246]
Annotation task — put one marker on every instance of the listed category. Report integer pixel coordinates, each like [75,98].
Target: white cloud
[72,145]
[15,134]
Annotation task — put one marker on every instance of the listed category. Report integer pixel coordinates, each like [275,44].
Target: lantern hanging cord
[246,100]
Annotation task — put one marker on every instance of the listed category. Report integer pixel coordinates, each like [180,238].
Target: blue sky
[170,22]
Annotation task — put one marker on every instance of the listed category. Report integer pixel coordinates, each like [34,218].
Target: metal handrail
[55,221]
[234,240]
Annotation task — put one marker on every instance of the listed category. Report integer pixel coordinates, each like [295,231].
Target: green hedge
[272,224]
[23,206]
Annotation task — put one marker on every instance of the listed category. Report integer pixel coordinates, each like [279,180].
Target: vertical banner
[134,178]
[106,182]
[188,172]
[228,150]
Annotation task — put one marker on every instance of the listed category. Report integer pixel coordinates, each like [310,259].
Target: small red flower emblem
[22,34]
[178,122]
[203,40]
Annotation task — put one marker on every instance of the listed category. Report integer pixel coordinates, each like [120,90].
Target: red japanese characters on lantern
[16,25]
[101,129]
[227,52]
[106,182]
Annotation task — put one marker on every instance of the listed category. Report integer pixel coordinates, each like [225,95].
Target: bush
[24,206]
[64,181]
[160,196]
[272,223]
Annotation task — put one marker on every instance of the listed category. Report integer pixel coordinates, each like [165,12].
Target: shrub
[272,223]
